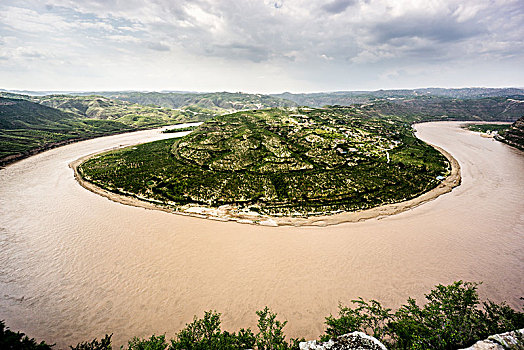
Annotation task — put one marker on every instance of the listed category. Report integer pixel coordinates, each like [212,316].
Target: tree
[270,335]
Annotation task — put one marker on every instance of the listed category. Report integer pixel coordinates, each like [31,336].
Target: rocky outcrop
[513,340]
[355,340]
[515,135]
[510,340]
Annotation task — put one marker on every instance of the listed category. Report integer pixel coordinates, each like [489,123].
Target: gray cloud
[338,6]
[158,47]
[441,29]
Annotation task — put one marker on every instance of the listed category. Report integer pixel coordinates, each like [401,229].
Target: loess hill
[30,124]
[514,135]
[297,161]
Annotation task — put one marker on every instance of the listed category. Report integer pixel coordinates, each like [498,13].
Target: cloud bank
[259,45]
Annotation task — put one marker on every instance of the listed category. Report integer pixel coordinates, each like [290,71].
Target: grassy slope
[139,116]
[27,127]
[280,162]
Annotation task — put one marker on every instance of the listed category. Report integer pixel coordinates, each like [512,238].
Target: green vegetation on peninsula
[299,161]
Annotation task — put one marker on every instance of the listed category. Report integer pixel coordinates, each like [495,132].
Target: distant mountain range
[346,98]
[176,99]
[217,101]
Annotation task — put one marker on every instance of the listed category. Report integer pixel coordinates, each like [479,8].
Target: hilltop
[297,161]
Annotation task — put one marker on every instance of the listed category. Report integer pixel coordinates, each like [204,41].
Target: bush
[205,333]
[452,318]
[370,318]
[270,335]
[10,340]
[153,343]
[103,344]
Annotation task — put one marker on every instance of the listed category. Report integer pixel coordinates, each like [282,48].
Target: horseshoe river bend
[75,265]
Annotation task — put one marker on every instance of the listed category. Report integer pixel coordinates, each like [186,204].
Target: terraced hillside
[298,161]
[136,115]
[514,136]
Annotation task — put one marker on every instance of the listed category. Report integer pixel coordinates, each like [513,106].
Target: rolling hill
[27,128]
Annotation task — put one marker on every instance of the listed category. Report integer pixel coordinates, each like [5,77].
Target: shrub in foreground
[10,340]
[452,317]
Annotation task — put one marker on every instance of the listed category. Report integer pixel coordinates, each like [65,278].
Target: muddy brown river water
[75,265]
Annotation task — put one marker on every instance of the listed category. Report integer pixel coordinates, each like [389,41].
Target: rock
[503,341]
[268,222]
[350,341]
[312,345]
[245,221]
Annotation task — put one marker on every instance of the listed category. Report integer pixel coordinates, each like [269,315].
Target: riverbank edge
[451,181]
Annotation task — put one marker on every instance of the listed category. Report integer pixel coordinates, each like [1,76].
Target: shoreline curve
[229,214]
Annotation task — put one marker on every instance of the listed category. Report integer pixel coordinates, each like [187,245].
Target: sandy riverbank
[227,213]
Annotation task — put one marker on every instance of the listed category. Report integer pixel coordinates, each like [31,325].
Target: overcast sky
[260,46]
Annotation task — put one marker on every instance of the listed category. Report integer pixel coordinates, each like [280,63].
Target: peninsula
[278,166]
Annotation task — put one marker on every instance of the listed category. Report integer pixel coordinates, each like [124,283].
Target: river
[75,265]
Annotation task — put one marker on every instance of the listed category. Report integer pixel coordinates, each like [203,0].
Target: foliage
[452,317]
[153,343]
[270,335]
[95,344]
[10,340]
[499,128]
[205,333]
[369,317]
